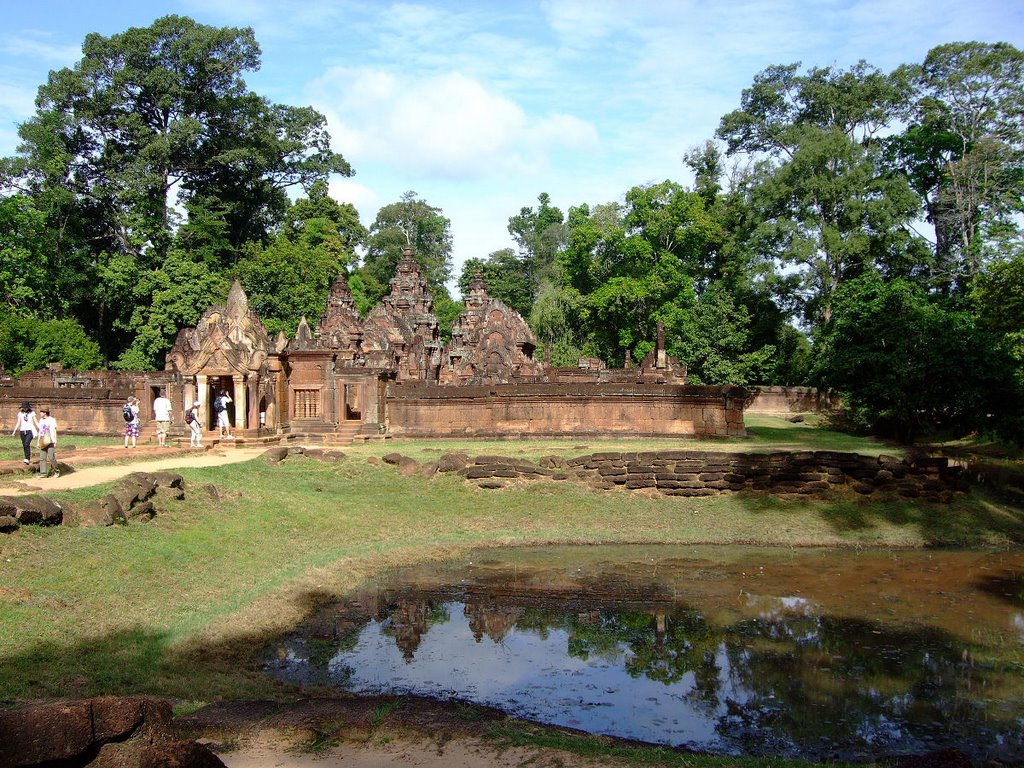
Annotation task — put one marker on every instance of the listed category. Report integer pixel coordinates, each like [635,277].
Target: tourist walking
[27,427]
[131,421]
[162,415]
[193,420]
[220,407]
[48,445]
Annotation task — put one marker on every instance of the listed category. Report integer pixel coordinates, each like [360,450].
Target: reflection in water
[813,654]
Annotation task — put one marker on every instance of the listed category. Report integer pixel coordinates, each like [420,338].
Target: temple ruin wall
[516,410]
[790,400]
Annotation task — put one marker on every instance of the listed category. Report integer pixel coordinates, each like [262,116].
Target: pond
[801,653]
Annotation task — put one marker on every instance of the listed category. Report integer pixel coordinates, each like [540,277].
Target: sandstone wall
[78,410]
[514,410]
[789,400]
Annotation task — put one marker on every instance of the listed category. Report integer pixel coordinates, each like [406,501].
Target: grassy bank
[182,606]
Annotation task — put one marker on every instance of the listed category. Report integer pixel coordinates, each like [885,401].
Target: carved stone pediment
[228,339]
[490,342]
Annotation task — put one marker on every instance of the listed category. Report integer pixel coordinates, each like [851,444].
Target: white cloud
[366,200]
[447,126]
[16,101]
[36,45]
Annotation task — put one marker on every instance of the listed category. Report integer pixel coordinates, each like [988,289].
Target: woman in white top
[27,427]
[48,445]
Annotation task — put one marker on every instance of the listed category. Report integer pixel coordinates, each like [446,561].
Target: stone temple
[390,374]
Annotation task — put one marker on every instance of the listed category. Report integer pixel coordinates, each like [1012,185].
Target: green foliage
[905,363]
[714,342]
[998,299]
[162,302]
[539,235]
[149,120]
[447,311]
[24,288]
[505,276]
[963,151]
[824,202]
[287,281]
[32,343]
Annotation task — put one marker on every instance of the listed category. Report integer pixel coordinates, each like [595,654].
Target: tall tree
[826,205]
[151,118]
[963,151]
[409,223]
[539,235]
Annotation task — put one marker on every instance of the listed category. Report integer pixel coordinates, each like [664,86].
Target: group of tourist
[42,429]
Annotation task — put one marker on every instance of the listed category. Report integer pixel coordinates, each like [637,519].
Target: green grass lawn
[184,605]
[766,433]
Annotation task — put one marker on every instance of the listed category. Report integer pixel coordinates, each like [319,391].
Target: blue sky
[481,106]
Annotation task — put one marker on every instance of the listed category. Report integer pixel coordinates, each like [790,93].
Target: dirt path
[92,466]
[458,753]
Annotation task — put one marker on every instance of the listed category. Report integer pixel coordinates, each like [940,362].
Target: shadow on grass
[978,518]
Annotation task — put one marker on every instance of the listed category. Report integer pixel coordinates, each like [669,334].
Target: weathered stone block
[142,512]
[452,462]
[691,492]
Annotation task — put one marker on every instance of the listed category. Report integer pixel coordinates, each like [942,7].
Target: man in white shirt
[162,415]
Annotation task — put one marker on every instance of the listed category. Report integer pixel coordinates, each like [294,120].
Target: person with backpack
[130,413]
[220,408]
[192,419]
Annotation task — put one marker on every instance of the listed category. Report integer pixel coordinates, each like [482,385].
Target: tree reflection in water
[783,678]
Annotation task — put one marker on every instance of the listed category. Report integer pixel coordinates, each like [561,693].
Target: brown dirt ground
[93,466]
[352,733]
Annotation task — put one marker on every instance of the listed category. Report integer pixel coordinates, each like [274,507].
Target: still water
[812,653]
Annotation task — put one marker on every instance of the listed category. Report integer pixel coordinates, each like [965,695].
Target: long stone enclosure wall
[516,410]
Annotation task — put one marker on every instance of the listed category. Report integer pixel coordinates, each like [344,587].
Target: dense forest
[846,228]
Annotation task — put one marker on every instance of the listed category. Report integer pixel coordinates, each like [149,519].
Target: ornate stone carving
[228,339]
[401,332]
[490,342]
[339,327]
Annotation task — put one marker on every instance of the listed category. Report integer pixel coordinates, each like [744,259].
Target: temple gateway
[389,374]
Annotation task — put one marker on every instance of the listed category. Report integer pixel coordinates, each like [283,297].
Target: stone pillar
[202,396]
[238,382]
[189,394]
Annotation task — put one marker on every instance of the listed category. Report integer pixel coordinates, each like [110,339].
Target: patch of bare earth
[362,732]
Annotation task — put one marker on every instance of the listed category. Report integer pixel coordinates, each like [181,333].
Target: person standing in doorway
[162,415]
[131,421]
[27,427]
[194,422]
[220,407]
[48,445]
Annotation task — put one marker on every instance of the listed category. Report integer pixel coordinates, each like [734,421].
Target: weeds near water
[381,712]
